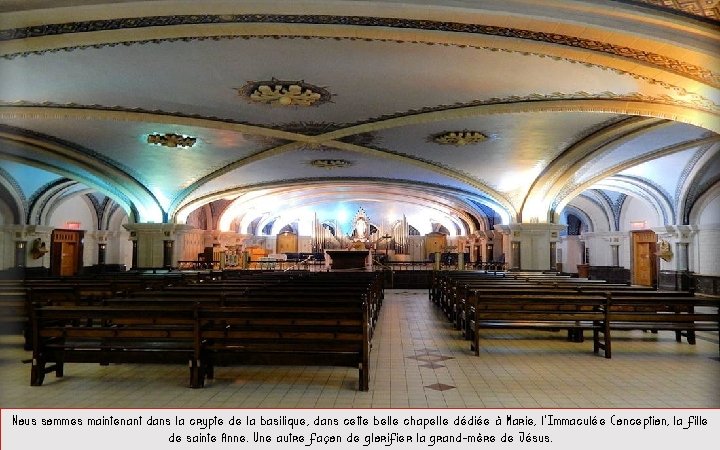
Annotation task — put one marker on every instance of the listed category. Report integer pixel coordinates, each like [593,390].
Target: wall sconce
[38,249]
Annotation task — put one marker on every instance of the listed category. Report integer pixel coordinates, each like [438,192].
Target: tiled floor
[417,361]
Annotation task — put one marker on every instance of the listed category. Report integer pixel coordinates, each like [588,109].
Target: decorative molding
[703,8]
[284,93]
[535,97]
[678,90]
[309,128]
[40,201]
[458,138]
[695,192]
[654,59]
[99,207]
[14,184]
[171,140]
[320,128]
[17,202]
[111,211]
[331,163]
[585,221]
[616,207]
[659,193]
[687,170]
[590,196]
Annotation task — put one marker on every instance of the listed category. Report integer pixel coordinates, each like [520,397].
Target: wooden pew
[300,335]
[104,335]
[13,317]
[572,314]
[304,324]
[683,315]
[466,305]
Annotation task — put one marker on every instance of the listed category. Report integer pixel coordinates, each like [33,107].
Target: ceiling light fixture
[284,93]
[458,138]
[171,140]
[331,163]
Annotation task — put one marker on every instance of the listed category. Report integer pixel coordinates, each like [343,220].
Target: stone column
[158,244]
[673,249]
[527,245]
[608,248]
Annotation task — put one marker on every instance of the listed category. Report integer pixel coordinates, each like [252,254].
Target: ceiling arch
[60,158]
[558,89]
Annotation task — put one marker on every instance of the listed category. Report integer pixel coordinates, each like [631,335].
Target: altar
[348,259]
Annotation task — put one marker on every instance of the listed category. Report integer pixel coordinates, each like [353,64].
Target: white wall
[73,209]
[119,249]
[637,210]
[705,248]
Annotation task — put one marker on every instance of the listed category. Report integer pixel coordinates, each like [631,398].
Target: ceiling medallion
[284,93]
[171,140]
[458,138]
[331,163]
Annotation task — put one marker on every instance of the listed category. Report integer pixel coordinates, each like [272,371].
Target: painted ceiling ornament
[331,163]
[171,140]
[458,138]
[284,93]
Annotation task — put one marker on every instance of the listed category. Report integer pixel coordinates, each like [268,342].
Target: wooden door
[68,259]
[286,243]
[435,243]
[644,263]
[66,255]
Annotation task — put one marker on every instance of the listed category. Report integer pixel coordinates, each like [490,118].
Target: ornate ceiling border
[42,202]
[650,191]
[694,195]
[687,170]
[14,184]
[12,193]
[654,59]
[678,89]
[704,9]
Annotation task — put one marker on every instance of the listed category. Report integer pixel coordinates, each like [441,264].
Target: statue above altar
[361,227]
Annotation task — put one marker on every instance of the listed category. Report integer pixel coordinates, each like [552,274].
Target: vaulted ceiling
[505,107]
